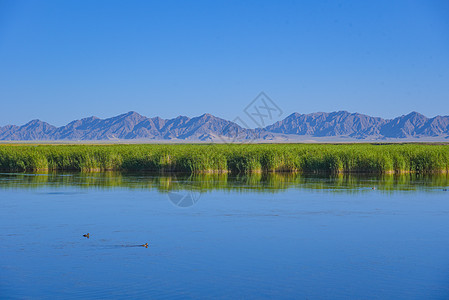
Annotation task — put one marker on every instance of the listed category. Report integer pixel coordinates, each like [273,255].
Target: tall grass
[222,158]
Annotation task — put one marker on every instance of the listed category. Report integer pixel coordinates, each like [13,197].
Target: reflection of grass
[196,158]
[206,182]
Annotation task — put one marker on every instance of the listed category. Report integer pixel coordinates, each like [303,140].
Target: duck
[144,245]
[444,190]
[86,235]
[373,188]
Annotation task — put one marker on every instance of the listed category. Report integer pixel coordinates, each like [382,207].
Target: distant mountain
[322,124]
[359,126]
[416,125]
[33,130]
[133,126]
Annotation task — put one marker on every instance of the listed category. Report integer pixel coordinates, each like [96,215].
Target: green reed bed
[235,158]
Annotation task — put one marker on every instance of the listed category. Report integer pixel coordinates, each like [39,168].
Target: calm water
[254,237]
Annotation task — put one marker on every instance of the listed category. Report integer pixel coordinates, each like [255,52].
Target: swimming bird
[86,235]
[373,187]
[445,190]
[145,245]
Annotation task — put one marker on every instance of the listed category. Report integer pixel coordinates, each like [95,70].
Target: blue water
[295,242]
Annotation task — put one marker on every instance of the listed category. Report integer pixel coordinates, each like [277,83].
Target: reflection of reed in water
[199,183]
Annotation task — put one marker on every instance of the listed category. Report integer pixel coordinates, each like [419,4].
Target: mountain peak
[34,121]
[206,115]
[132,114]
[415,114]
[90,118]
[343,112]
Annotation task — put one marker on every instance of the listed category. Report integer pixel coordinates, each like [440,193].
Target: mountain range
[340,125]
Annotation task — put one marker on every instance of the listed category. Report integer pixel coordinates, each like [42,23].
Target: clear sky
[64,60]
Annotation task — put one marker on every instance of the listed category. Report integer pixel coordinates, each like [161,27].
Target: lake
[222,236]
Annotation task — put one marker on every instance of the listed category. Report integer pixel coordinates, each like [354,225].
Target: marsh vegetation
[225,158]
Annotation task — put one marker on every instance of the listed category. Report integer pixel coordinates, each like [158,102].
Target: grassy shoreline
[225,158]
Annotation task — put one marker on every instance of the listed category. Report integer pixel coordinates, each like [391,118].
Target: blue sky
[64,60]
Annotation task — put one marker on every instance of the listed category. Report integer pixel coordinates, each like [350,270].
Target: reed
[223,158]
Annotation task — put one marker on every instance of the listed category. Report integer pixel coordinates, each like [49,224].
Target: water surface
[260,236]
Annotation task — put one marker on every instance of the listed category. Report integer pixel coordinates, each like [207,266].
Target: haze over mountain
[133,126]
